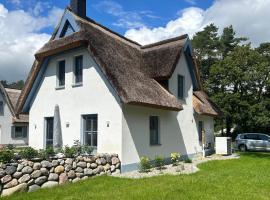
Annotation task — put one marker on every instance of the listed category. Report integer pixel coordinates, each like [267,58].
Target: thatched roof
[11,97]
[133,70]
[204,106]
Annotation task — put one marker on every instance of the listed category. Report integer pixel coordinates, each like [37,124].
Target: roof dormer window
[67,30]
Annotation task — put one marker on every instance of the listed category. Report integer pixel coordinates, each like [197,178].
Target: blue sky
[154,13]
[26,25]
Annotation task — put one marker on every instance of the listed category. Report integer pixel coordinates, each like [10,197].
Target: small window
[61,73]
[78,70]
[1,108]
[154,130]
[200,130]
[181,86]
[19,132]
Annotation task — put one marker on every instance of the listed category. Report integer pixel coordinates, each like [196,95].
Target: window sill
[60,88]
[77,85]
[153,145]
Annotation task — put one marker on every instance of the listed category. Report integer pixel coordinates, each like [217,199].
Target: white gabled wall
[178,130]
[95,96]
[6,126]
[208,125]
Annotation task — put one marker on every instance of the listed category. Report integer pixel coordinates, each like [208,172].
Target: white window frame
[58,86]
[158,130]
[183,86]
[76,84]
[13,134]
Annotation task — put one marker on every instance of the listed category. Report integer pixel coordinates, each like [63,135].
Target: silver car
[253,142]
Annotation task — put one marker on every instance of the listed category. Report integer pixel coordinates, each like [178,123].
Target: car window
[251,137]
[263,137]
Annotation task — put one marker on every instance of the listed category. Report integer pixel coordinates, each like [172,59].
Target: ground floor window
[154,130]
[19,132]
[90,130]
[200,130]
[49,131]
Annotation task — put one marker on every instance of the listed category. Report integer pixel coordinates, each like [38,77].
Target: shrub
[144,165]
[6,155]
[87,149]
[175,158]
[47,153]
[10,147]
[70,152]
[82,149]
[28,153]
[159,162]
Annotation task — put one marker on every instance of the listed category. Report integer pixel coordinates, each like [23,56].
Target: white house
[13,129]
[115,94]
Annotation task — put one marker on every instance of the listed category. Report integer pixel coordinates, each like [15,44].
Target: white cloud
[192,2]
[125,19]
[250,18]
[21,37]
[188,23]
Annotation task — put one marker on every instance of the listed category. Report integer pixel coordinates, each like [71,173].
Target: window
[1,108]
[154,130]
[90,130]
[78,70]
[181,86]
[200,130]
[61,73]
[19,132]
[263,137]
[251,137]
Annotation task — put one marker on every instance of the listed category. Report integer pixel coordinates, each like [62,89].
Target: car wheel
[242,148]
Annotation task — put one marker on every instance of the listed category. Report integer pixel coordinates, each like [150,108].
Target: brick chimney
[78,7]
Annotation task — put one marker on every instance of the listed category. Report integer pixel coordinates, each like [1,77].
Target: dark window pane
[49,132]
[90,132]
[263,137]
[180,87]
[78,69]
[18,132]
[154,130]
[200,130]
[61,73]
[1,108]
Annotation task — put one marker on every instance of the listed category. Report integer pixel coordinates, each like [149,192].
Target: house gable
[67,26]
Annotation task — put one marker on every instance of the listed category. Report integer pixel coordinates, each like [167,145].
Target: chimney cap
[78,7]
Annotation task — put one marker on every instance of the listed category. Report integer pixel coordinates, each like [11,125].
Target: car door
[253,142]
[262,145]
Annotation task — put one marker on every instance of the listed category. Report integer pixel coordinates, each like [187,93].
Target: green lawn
[244,178]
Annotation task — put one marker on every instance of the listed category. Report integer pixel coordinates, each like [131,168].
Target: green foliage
[82,149]
[159,162]
[10,147]
[70,152]
[46,153]
[175,158]
[6,155]
[145,164]
[28,153]
[236,77]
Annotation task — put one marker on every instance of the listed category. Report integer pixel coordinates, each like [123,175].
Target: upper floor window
[61,73]
[154,130]
[1,108]
[181,86]
[78,70]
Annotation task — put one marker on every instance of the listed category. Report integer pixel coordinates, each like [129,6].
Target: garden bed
[181,168]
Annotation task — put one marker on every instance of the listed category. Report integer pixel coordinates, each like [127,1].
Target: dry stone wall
[24,175]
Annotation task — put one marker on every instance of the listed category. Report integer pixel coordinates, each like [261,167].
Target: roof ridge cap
[185,36]
[91,21]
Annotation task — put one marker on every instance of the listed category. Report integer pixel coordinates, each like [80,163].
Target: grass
[244,178]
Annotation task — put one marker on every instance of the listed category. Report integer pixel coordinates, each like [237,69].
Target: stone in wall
[25,175]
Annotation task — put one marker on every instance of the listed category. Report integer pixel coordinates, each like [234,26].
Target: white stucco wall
[5,127]
[178,130]
[95,96]
[208,125]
